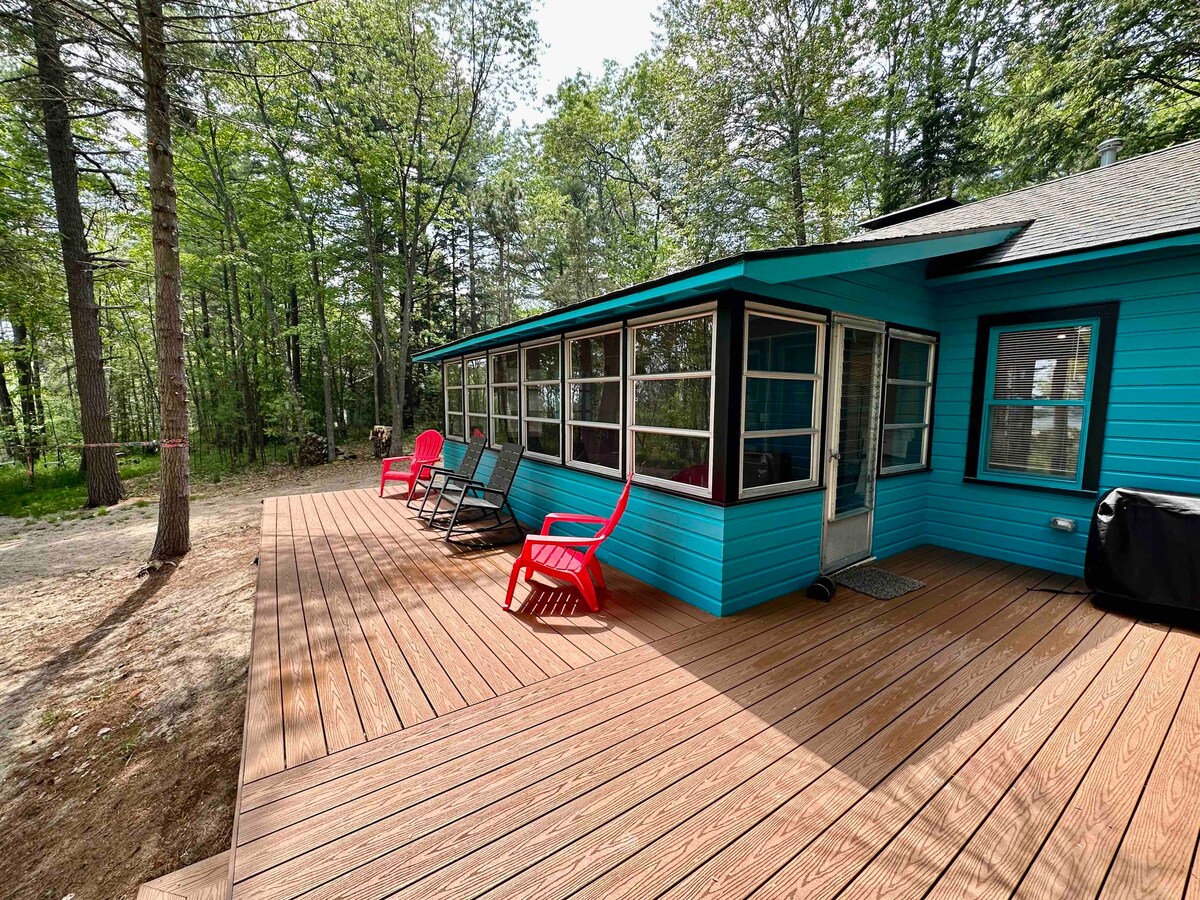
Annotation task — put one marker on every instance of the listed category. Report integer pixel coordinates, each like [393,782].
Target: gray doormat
[877,583]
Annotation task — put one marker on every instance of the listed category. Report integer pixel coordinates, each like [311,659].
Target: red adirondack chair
[557,557]
[426,452]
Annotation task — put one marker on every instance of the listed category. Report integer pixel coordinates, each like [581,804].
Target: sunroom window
[907,403]
[543,399]
[452,382]
[781,404]
[671,385]
[594,401]
[1036,402]
[506,398]
[477,419]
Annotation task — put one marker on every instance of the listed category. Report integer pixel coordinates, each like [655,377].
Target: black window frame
[1107,313]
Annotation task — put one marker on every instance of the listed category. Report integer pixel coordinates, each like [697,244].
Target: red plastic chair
[426,452]
[555,556]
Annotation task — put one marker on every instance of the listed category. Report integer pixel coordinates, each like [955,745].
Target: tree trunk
[399,370]
[100,462]
[323,329]
[383,354]
[472,294]
[293,321]
[796,177]
[172,538]
[8,419]
[30,423]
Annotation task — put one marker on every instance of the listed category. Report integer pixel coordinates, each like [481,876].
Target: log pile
[312,450]
[381,440]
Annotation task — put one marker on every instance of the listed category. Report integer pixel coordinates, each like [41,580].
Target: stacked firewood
[381,440]
[312,450]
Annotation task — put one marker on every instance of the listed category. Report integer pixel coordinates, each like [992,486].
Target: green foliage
[57,488]
[350,190]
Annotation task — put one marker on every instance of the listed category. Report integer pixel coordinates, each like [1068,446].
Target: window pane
[903,447]
[777,460]
[1035,440]
[477,426]
[454,375]
[505,431]
[506,401]
[673,403]
[454,425]
[541,363]
[476,400]
[774,404]
[597,356]
[672,457]
[543,401]
[454,400]
[477,371]
[780,345]
[504,368]
[908,360]
[598,446]
[1042,364]
[904,404]
[684,346]
[596,402]
[543,437]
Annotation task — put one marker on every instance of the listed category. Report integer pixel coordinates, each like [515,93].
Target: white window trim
[487,404]
[527,383]
[709,311]
[462,390]
[572,424]
[924,425]
[817,378]
[492,385]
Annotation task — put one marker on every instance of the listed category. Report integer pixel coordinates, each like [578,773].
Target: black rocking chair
[484,500]
[434,481]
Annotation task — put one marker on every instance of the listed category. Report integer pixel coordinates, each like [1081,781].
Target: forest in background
[351,187]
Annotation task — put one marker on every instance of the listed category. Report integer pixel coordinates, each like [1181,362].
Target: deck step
[204,880]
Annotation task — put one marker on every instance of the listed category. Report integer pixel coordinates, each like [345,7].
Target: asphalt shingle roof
[1155,194]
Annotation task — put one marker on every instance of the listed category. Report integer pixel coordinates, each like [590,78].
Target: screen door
[856,361]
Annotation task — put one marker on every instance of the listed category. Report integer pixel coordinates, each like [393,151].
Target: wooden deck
[993,734]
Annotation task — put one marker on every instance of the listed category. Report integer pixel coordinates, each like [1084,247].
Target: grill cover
[1144,547]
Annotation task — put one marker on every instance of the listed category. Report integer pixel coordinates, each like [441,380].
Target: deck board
[992,733]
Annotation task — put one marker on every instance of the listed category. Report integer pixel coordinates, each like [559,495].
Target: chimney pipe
[1108,150]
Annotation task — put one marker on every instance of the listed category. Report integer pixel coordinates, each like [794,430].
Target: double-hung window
[452,382]
[594,401]
[542,378]
[506,398]
[783,360]
[1037,402]
[907,402]
[671,391]
[476,379]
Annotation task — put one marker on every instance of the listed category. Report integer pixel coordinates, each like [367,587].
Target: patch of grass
[57,488]
[51,717]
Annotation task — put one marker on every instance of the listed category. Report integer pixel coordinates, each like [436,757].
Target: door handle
[835,454]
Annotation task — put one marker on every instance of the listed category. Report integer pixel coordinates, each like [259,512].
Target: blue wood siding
[1153,414]
[672,542]
[723,559]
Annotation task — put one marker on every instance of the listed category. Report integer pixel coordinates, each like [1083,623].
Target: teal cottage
[964,375]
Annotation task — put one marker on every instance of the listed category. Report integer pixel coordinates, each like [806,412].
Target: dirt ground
[121,698]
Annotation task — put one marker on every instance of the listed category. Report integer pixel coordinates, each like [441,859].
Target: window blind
[1037,403]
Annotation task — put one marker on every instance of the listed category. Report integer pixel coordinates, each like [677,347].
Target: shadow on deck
[993,733]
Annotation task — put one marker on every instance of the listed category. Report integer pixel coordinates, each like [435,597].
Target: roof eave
[1185,238]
